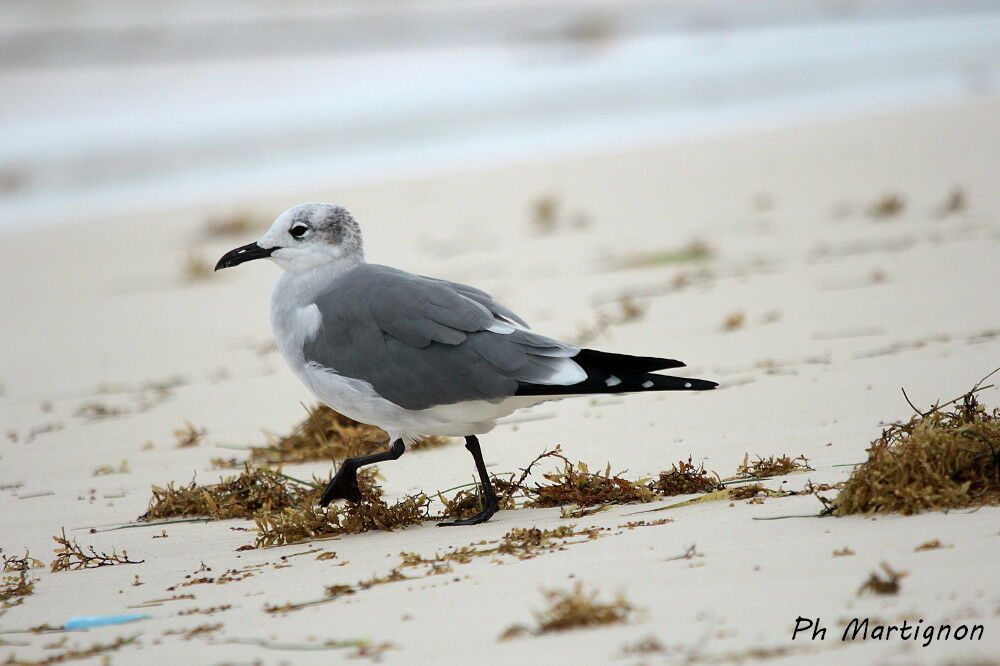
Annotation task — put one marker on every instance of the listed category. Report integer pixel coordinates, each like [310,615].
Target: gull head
[304,237]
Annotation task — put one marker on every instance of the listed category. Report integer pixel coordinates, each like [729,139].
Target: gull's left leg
[345,484]
[489,496]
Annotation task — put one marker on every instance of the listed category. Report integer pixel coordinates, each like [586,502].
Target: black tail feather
[623,363]
[620,373]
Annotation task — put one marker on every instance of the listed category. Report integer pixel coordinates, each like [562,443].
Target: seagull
[415,355]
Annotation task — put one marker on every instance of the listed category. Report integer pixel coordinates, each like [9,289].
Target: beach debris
[13,563]
[625,309]
[97,411]
[468,502]
[734,321]
[938,459]
[326,434]
[14,588]
[544,213]
[576,608]
[689,553]
[956,202]
[76,653]
[253,491]
[882,586]
[205,629]
[632,524]
[685,478]
[71,557]
[933,544]
[363,648]
[646,645]
[206,611]
[196,268]
[237,224]
[576,484]
[762,468]
[299,523]
[693,252]
[843,552]
[104,470]
[189,436]
[886,206]
[90,621]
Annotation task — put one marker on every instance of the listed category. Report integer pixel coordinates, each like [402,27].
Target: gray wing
[422,342]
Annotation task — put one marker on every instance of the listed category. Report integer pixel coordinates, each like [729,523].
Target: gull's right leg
[345,484]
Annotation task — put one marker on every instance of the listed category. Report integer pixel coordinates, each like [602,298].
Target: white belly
[358,400]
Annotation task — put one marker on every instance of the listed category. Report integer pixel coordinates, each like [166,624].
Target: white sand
[861,307]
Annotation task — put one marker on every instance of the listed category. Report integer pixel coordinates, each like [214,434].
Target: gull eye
[298,231]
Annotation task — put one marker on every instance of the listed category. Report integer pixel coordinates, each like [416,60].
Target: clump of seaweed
[468,502]
[104,470]
[734,321]
[576,484]
[762,468]
[324,435]
[189,436]
[70,556]
[17,564]
[888,585]
[293,524]
[76,653]
[686,479]
[938,459]
[625,310]
[574,609]
[888,205]
[748,491]
[196,267]
[13,588]
[237,224]
[696,250]
[255,490]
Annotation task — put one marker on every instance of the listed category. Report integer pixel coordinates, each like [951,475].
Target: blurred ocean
[112,107]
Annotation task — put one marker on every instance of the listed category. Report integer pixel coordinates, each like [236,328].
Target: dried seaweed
[70,556]
[939,459]
[576,484]
[74,654]
[762,468]
[253,491]
[325,435]
[196,267]
[189,436]
[206,629]
[13,563]
[293,524]
[733,321]
[627,310]
[236,224]
[888,205]
[686,479]
[694,251]
[105,470]
[887,585]
[468,502]
[574,609]
[15,587]
[746,492]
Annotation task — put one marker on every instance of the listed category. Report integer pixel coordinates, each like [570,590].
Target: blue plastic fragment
[87,621]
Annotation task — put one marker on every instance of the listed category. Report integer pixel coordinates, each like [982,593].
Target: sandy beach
[831,268]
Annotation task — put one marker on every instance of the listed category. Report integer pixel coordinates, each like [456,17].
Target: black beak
[242,254]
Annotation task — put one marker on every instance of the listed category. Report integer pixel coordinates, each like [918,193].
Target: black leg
[345,484]
[489,496]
